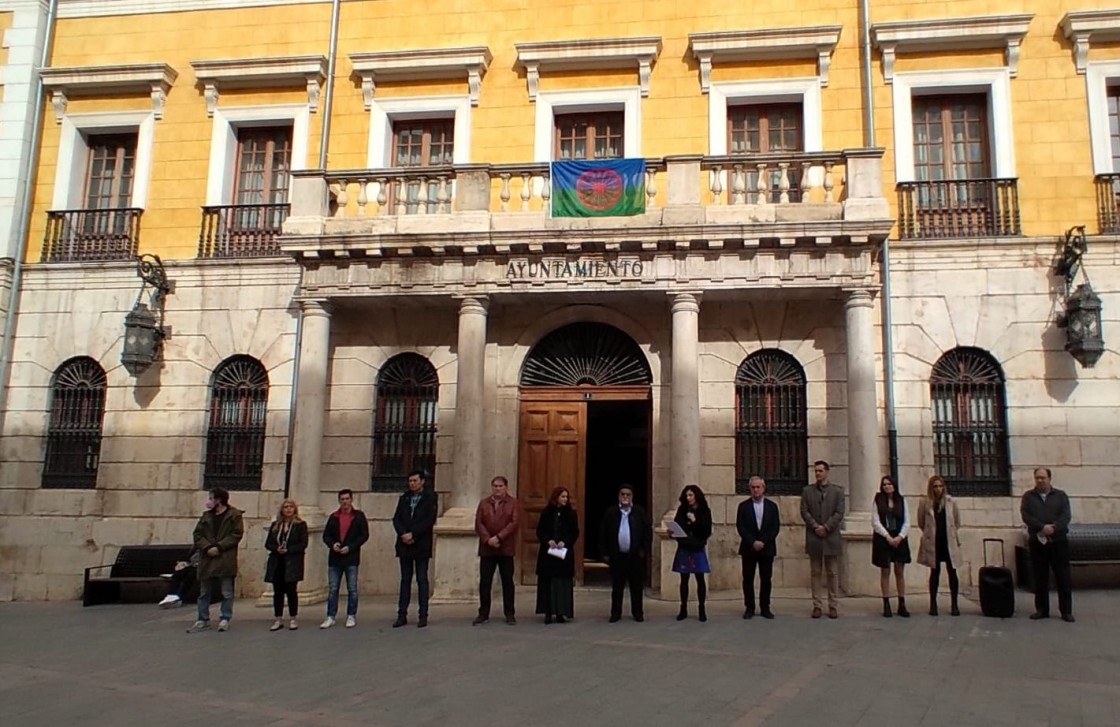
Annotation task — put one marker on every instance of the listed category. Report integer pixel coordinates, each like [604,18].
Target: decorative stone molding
[942,34]
[593,54]
[764,44]
[153,78]
[1085,27]
[422,64]
[268,72]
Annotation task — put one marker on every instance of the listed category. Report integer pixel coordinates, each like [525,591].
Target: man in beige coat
[822,509]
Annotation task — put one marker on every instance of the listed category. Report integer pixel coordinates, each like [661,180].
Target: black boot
[703,613]
[953,610]
[887,607]
[933,603]
[902,607]
[683,614]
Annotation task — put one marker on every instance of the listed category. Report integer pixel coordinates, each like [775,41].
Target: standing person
[940,520]
[496,522]
[695,518]
[1045,511]
[890,526]
[286,544]
[822,509]
[344,534]
[758,523]
[557,529]
[413,521]
[216,537]
[626,538]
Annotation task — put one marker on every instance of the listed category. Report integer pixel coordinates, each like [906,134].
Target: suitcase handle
[1002,556]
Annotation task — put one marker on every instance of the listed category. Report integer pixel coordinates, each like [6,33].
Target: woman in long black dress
[286,544]
[890,545]
[695,518]
[557,530]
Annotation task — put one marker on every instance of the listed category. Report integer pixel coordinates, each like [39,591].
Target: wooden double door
[589,440]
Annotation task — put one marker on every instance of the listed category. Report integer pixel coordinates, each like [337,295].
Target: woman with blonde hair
[939,520]
[286,543]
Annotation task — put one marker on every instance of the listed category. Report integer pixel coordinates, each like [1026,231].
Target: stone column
[684,421]
[864,467]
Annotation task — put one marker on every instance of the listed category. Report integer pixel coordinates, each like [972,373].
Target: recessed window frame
[384,111]
[628,100]
[224,146]
[71,170]
[421,429]
[65,424]
[1099,76]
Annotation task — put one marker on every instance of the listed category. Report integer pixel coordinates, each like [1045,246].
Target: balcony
[241,231]
[958,208]
[1108,202]
[91,235]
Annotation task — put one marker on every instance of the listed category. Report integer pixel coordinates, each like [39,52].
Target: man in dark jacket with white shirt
[758,523]
[1045,510]
[413,521]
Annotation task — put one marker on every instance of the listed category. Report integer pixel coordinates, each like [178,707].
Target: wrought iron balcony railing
[241,230]
[1108,202]
[957,208]
[90,235]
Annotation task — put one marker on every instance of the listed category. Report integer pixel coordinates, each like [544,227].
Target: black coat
[292,560]
[750,532]
[419,522]
[560,524]
[698,531]
[356,536]
[641,532]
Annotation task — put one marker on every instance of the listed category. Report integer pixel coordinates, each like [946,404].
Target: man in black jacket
[346,531]
[626,539]
[413,521]
[1045,510]
[758,523]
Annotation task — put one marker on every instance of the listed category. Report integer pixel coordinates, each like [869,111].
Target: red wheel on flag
[599,189]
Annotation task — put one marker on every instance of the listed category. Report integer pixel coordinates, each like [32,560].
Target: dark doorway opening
[617,452]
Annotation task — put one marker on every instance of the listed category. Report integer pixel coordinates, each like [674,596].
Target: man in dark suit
[626,537]
[758,523]
[413,521]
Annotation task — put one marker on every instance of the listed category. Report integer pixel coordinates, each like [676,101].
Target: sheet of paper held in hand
[560,553]
[675,529]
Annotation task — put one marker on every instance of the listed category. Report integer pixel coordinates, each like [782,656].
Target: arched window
[404,421]
[74,430]
[970,423]
[235,435]
[771,435]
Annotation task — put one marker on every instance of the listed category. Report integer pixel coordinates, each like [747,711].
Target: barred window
[235,436]
[74,430]
[404,421]
[771,434]
[967,391]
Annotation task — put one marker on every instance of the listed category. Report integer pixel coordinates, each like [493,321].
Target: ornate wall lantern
[143,329]
[1082,317]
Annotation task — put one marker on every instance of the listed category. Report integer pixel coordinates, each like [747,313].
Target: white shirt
[624,530]
[877,525]
[758,509]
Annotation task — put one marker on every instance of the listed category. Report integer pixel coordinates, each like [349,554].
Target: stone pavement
[61,664]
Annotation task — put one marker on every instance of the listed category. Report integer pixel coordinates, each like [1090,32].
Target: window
[112,171]
[1114,124]
[586,136]
[763,129]
[236,431]
[77,409]
[771,435]
[260,196]
[951,137]
[404,421]
[970,423]
[419,143]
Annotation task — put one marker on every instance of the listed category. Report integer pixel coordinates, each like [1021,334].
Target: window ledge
[1085,27]
[422,64]
[154,79]
[268,72]
[940,34]
[764,44]
[593,54]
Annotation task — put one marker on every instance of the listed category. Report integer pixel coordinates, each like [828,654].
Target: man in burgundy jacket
[496,522]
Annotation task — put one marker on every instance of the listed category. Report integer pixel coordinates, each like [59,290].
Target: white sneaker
[293,625]
[199,626]
[276,625]
[351,622]
[171,601]
[223,625]
[327,623]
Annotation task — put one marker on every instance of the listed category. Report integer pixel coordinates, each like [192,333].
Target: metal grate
[404,421]
[771,435]
[241,230]
[90,234]
[970,423]
[1108,202]
[74,431]
[956,208]
[235,436]
[586,354]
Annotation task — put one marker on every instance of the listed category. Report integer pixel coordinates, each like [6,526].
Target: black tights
[701,588]
[935,578]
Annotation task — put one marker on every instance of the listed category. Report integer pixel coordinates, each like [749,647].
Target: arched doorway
[585,424]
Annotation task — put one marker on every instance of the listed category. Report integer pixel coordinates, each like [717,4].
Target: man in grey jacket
[822,509]
[1045,510]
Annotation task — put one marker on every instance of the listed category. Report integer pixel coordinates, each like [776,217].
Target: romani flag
[606,188]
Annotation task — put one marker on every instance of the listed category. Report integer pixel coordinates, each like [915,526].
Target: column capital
[858,297]
[686,302]
[315,307]
[473,304]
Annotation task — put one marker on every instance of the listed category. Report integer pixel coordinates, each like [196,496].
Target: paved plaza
[116,665]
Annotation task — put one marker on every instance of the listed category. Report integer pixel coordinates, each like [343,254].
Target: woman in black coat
[695,519]
[558,529]
[286,543]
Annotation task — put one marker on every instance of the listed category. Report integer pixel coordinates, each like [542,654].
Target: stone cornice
[155,79]
[764,44]
[591,54]
[1085,27]
[422,64]
[99,8]
[266,72]
[941,34]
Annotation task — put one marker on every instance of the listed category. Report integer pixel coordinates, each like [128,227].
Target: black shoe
[767,613]
[547,619]
[423,622]
[560,620]
[1039,615]
[402,620]
[511,620]
[902,608]
[887,608]
[683,613]
[615,619]
[954,611]
[639,618]
[748,614]
[1068,618]
[703,614]
[479,620]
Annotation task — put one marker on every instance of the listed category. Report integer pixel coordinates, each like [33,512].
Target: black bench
[136,573]
[1094,557]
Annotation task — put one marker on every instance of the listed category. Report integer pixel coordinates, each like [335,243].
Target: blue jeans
[334,580]
[204,590]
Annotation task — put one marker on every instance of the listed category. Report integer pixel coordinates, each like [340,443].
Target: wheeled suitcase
[997,588]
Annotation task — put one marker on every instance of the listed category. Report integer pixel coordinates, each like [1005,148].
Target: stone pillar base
[313,587]
[666,586]
[455,558]
[858,577]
